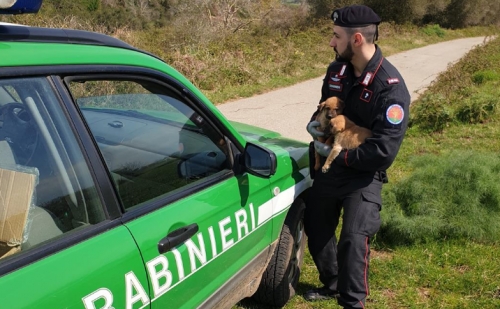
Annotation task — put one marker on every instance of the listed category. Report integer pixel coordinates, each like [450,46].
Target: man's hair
[368,32]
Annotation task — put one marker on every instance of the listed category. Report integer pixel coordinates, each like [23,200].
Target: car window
[153,143]
[46,188]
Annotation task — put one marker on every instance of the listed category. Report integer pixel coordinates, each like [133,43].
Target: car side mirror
[259,161]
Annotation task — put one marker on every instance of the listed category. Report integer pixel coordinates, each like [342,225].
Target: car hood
[253,133]
[284,148]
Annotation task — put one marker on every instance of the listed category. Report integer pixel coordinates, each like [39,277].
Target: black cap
[355,16]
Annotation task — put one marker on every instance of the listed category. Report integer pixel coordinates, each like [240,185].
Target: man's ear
[358,39]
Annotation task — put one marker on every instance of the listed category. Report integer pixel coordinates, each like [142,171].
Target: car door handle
[177,237]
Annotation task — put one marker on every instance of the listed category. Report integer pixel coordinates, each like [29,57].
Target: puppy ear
[321,106]
[337,124]
[341,106]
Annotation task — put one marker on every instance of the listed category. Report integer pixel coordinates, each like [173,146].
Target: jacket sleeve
[389,124]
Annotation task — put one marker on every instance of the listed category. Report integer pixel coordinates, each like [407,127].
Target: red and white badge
[392,81]
[342,71]
[367,80]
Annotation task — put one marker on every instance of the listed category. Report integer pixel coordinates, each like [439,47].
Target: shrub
[93,5]
[478,108]
[485,76]
[324,8]
[450,196]
[432,30]
[431,113]
[399,11]
[464,13]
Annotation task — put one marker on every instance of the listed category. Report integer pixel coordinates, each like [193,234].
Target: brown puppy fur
[347,136]
[328,110]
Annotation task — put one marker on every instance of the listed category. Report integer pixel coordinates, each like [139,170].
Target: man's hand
[322,149]
[311,128]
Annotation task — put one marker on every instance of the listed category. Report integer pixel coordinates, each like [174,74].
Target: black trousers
[343,266]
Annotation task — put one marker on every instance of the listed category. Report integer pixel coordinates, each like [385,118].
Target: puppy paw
[325,168]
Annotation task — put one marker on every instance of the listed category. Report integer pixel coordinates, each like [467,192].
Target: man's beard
[346,55]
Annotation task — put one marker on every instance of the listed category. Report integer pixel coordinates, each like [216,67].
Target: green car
[123,186]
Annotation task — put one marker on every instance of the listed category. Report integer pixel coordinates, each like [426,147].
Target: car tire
[280,279]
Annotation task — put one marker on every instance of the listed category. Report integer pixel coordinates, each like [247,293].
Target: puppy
[347,136]
[328,110]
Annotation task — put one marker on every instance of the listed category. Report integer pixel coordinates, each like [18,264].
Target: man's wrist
[312,129]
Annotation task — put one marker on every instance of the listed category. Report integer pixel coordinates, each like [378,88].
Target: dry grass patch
[381,255]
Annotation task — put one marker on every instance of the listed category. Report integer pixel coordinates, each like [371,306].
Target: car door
[59,244]
[195,221]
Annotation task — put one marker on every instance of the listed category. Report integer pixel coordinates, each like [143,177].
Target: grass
[442,190]
[435,275]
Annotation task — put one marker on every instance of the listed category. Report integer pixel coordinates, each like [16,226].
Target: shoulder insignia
[393,80]
[368,78]
[342,71]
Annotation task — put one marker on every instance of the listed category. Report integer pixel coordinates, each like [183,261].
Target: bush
[452,196]
[482,77]
[398,11]
[432,30]
[465,13]
[432,113]
[446,13]
[478,108]
[324,8]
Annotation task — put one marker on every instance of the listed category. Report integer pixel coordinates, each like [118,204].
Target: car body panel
[236,217]
[228,237]
[73,277]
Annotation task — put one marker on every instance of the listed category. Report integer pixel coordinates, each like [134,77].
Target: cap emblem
[335,16]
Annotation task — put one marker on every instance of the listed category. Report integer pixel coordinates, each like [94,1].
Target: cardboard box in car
[16,194]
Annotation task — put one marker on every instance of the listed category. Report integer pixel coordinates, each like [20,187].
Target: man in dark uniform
[376,98]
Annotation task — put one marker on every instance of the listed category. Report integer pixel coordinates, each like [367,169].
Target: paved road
[287,110]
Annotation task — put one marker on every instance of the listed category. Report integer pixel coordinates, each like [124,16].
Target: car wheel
[282,274]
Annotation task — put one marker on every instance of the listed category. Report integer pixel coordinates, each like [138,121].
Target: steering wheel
[15,112]
[18,129]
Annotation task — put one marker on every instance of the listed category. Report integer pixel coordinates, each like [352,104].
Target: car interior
[152,142]
[32,141]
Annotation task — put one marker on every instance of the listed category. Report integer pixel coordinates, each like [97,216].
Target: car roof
[22,33]
[63,46]
[22,46]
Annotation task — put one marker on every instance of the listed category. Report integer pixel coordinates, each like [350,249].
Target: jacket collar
[371,68]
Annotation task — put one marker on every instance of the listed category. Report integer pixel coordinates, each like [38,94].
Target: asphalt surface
[288,110]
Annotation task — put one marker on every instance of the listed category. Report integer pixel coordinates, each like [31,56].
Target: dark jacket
[378,100]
